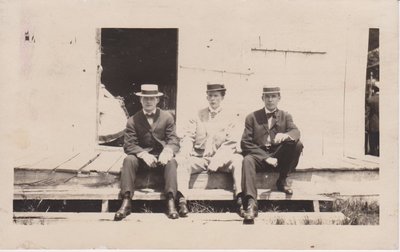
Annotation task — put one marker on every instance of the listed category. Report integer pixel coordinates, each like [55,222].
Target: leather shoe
[171,209]
[239,204]
[124,211]
[252,210]
[284,187]
[183,209]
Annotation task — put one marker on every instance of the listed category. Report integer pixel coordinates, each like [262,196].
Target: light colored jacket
[220,134]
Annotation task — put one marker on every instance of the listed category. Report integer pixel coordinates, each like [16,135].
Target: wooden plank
[104,206]
[79,162]
[104,162]
[31,160]
[149,194]
[194,219]
[316,205]
[53,162]
[116,167]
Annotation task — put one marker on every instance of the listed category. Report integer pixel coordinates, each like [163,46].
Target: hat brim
[149,95]
[218,89]
[272,92]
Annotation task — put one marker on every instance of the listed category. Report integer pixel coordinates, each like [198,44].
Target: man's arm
[247,144]
[131,141]
[291,128]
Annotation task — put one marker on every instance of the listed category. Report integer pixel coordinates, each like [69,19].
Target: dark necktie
[213,114]
[150,116]
[269,115]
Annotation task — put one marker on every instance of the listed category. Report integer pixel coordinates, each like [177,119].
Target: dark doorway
[131,57]
[372,95]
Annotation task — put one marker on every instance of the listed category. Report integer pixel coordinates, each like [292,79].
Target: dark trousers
[374,143]
[131,166]
[287,153]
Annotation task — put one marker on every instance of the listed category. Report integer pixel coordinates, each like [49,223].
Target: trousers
[132,164]
[287,153]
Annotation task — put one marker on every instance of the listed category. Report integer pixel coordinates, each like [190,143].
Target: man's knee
[237,161]
[299,147]
[130,162]
[249,162]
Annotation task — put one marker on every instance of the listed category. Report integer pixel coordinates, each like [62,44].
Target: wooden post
[104,206]
[316,205]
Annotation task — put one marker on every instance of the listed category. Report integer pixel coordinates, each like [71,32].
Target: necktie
[269,115]
[213,114]
[150,116]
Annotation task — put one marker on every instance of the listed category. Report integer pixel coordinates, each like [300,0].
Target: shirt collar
[267,111]
[214,110]
[152,112]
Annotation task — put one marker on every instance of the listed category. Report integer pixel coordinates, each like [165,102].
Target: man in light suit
[150,142]
[211,142]
[270,140]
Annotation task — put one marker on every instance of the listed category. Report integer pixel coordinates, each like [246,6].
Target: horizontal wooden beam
[285,51]
[141,219]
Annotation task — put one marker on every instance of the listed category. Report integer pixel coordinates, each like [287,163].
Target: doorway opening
[372,95]
[131,57]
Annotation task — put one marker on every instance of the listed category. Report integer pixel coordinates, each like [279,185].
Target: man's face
[214,98]
[271,101]
[149,103]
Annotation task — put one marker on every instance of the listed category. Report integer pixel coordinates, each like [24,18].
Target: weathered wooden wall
[53,79]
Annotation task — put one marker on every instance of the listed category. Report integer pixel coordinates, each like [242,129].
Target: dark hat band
[215,87]
[149,92]
[270,90]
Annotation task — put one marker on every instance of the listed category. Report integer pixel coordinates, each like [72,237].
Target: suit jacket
[220,134]
[373,117]
[256,130]
[140,136]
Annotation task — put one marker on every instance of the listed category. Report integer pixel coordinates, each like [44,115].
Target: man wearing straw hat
[210,143]
[150,142]
[270,140]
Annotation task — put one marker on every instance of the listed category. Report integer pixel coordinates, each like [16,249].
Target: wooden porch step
[67,193]
[194,219]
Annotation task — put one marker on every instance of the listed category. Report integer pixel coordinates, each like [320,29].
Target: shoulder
[284,114]
[166,115]
[255,114]
[202,112]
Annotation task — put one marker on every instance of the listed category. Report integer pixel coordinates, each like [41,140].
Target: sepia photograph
[199,124]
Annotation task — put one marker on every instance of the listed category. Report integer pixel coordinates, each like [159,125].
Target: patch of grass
[358,211]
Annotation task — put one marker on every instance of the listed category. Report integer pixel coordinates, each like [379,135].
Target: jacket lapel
[143,120]
[156,119]
[261,119]
[275,119]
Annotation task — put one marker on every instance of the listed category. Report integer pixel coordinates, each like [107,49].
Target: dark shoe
[171,209]
[284,187]
[124,211]
[239,204]
[252,210]
[183,209]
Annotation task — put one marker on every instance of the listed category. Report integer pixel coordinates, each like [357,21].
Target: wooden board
[194,219]
[104,162]
[116,167]
[79,162]
[53,162]
[64,193]
[29,161]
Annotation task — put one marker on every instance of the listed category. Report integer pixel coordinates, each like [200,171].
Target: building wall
[51,88]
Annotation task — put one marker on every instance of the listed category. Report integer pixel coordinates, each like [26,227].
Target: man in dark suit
[150,142]
[270,140]
[373,119]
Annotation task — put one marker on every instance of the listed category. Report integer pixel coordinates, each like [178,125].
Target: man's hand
[272,161]
[281,137]
[165,156]
[208,151]
[215,163]
[149,159]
